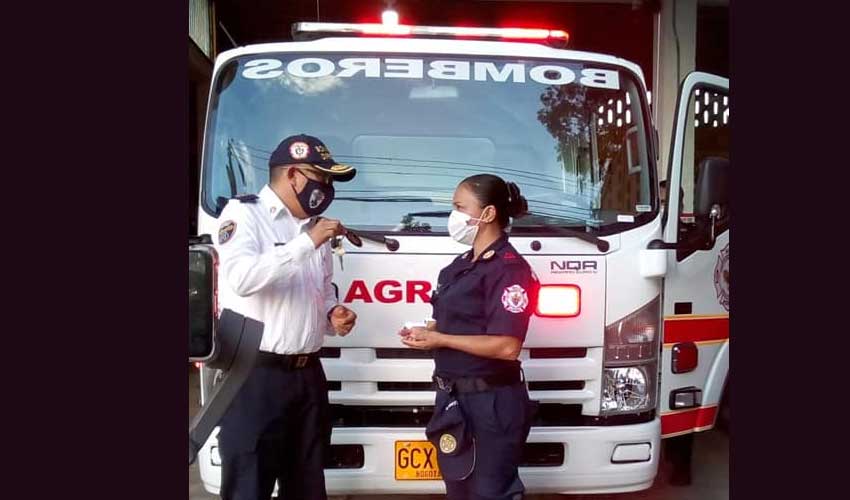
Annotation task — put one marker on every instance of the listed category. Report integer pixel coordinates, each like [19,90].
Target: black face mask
[315,197]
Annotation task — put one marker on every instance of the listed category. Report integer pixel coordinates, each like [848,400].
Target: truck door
[695,355]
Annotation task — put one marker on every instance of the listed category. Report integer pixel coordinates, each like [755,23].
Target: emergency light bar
[302,31]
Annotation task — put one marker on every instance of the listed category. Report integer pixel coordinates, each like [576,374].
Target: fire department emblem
[514,299]
[299,150]
[721,277]
[448,443]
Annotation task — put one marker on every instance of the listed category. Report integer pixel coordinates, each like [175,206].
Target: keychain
[339,250]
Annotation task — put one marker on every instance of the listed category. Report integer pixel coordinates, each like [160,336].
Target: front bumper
[587,467]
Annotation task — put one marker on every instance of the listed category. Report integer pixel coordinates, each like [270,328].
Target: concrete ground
[710,472]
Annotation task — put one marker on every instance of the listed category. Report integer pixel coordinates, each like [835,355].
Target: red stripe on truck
[696,329]
[688,420]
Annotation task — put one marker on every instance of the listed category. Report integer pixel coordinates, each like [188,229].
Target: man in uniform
[276,267]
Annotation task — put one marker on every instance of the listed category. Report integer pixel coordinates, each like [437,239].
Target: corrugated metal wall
[199,25]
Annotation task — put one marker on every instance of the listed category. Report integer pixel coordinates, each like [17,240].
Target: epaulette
[247,198]
[509,257]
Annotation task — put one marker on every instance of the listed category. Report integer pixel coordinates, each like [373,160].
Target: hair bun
[517,204]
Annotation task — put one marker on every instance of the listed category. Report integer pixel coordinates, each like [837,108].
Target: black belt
[287,361]
[478,384]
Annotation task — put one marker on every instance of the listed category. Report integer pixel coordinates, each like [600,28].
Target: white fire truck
[630,341]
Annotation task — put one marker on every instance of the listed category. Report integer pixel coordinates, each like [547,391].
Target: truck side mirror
[711,200]
[235,355]
[229,343]
[203,262]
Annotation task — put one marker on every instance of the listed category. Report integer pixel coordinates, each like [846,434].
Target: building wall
[202,47]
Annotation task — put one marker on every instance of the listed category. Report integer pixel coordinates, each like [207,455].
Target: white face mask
[460,230]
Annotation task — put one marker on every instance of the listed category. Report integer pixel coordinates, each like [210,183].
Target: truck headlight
[630,373]
[628,389]
[634,337]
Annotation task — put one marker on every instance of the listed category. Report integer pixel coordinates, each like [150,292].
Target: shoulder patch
[247,198]
[226,231]
[514,299]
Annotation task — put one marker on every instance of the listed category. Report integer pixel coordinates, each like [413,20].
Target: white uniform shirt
[270,270]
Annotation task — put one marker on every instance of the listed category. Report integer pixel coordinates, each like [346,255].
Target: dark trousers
[500,421]
[277,428]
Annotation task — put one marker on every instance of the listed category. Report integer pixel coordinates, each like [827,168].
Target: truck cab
[629,342]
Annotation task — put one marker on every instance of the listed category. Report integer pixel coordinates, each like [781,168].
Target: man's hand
[342,320]
[324,230]
[421,338]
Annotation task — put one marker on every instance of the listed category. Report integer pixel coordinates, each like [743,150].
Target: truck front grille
[542,455]
[557,352]
[557,385]
[402,353]
[351,456]
[345,456]
[406,386]
[548,415]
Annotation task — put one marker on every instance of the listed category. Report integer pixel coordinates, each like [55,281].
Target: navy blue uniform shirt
[494,295]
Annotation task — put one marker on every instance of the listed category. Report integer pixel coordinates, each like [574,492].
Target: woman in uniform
[482,305]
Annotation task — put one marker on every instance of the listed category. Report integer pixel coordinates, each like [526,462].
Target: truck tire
[676,455]
[724,411]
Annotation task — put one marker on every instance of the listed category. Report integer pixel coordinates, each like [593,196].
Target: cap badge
[448,443]
[299,150]
[323,152]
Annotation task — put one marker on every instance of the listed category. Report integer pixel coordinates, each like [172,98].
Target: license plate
[416,460]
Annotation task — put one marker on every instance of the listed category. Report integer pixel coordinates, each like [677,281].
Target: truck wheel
[677,455]
[724,412]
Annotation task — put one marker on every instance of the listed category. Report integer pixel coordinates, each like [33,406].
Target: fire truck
[629,343]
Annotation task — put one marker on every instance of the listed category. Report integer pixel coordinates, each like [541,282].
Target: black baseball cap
[452,437]
[307,149]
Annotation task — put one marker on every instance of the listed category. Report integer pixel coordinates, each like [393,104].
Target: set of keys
[339,250]
[336,243]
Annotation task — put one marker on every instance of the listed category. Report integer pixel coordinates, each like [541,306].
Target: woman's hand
[421,338]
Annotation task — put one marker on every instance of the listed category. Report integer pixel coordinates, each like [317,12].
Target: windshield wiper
[383,200]
[589,237]
[443,213]
[585,235]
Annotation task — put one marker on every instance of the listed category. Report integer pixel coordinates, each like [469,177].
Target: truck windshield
[571,134]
